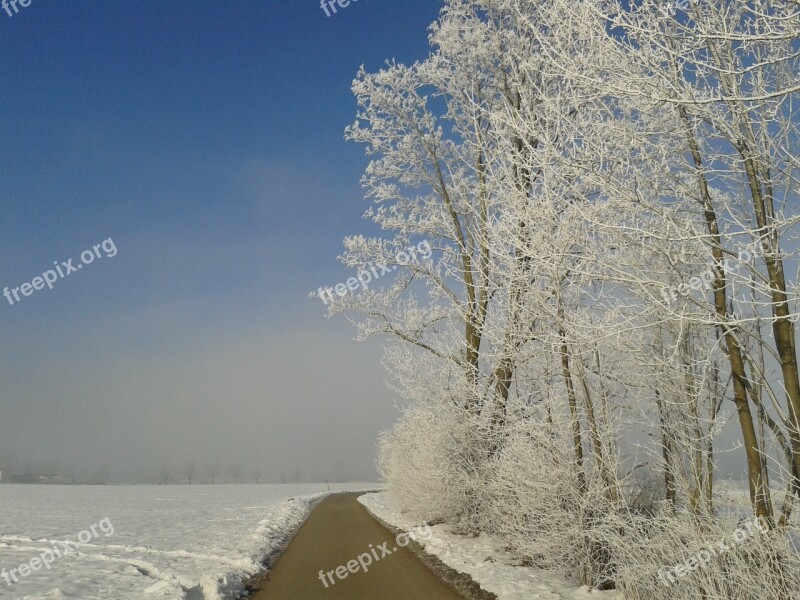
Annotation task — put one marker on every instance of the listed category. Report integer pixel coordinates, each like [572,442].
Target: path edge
[253,583]
[462,583]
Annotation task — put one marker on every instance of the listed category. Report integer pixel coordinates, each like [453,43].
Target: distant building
[33,478]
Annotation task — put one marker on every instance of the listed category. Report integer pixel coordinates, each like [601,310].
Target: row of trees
[190,472]
[611,188]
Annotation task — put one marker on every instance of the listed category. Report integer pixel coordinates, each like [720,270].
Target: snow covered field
[195,542]
[470,555]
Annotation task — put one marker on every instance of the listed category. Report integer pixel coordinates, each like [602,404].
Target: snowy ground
[472,556]
[172,542]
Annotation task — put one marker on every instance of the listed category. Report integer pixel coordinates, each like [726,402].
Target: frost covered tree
[189,470]
[213,472]
[255,473]
[165,475]
[610,193]
[235,473]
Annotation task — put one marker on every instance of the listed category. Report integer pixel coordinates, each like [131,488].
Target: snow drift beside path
[273,532]
[484,559]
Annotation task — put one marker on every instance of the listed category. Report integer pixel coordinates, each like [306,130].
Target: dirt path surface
[338,531]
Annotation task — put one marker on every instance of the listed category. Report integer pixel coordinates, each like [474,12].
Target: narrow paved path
[338,531]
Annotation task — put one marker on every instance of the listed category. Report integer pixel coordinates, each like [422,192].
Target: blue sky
[206,139]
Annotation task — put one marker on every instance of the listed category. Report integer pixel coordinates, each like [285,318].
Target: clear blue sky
[206,139]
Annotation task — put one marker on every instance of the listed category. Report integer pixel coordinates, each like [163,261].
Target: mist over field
[206,143]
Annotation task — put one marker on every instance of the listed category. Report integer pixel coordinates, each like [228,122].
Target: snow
[484,559]
[195,542]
